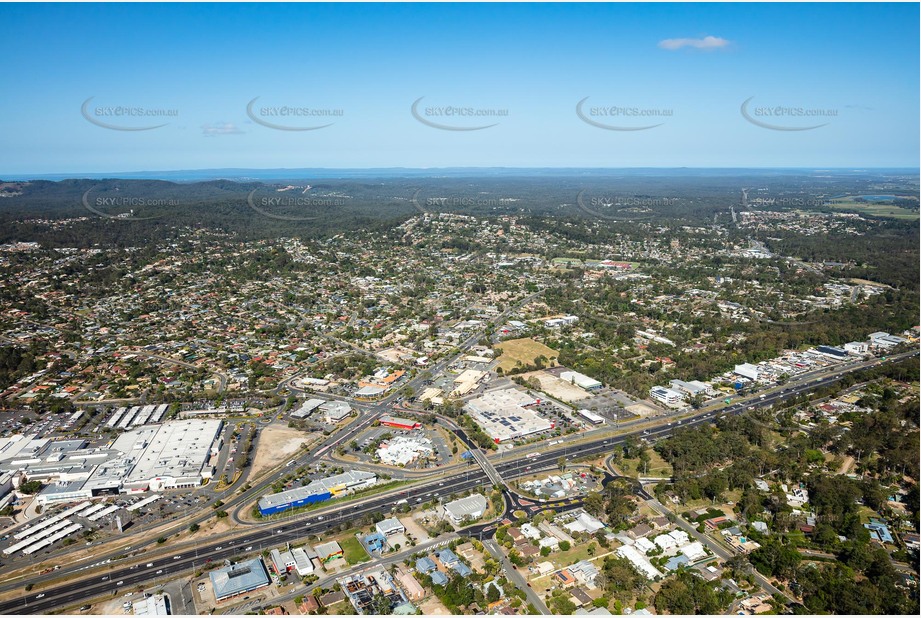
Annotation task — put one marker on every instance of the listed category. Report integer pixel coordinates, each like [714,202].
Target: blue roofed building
[425,565]
[879,531]
[439,578]
[375,542]
[676,561]
[461,569]
[238,579]
[447,557]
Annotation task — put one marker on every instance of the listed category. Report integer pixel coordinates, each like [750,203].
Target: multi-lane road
[118,578]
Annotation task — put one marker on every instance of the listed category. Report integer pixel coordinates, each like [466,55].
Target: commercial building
[472,507]
[668,396]
[390,527]
[327,552]
[404,450]
[885,341]
[154,605]
[239,579]
[831,351]
[591,417]
[747,370]
[693,389]
[399,423]
[335,411]
[858,348]
[505,415]
[316,491]
[467,381]
[307,408]
[581,380]
[171,455]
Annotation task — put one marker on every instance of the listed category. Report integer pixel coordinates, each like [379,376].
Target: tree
[561,464]
[565,546]
[30,487]
[194,528]
[492,593]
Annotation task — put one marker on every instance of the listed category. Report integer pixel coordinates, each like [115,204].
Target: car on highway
[158,572]
[40,596]
[120,582]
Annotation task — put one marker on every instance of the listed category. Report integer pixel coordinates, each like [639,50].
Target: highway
[116,579]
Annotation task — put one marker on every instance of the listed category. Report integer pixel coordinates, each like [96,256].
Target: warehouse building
[316,491]
[238,579]
[504,414]
[747,370]
[581,380]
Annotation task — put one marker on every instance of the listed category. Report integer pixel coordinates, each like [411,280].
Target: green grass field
[874,209]
[352,550]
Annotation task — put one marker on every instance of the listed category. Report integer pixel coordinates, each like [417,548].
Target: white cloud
[220,128]
[708,42]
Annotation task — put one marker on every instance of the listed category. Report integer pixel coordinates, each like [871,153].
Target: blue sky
[696,64]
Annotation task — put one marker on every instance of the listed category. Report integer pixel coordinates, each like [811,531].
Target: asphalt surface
[118,579]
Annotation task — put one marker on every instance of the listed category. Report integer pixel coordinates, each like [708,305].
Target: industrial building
[316,491]
[504,414]
[472,507]
[239,579]
[581,380]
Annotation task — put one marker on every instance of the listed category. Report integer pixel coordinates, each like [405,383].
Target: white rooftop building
[472,507]
[504,415]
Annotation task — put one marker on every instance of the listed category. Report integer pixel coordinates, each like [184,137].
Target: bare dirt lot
[557,387]
[431,606]
[276,444]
